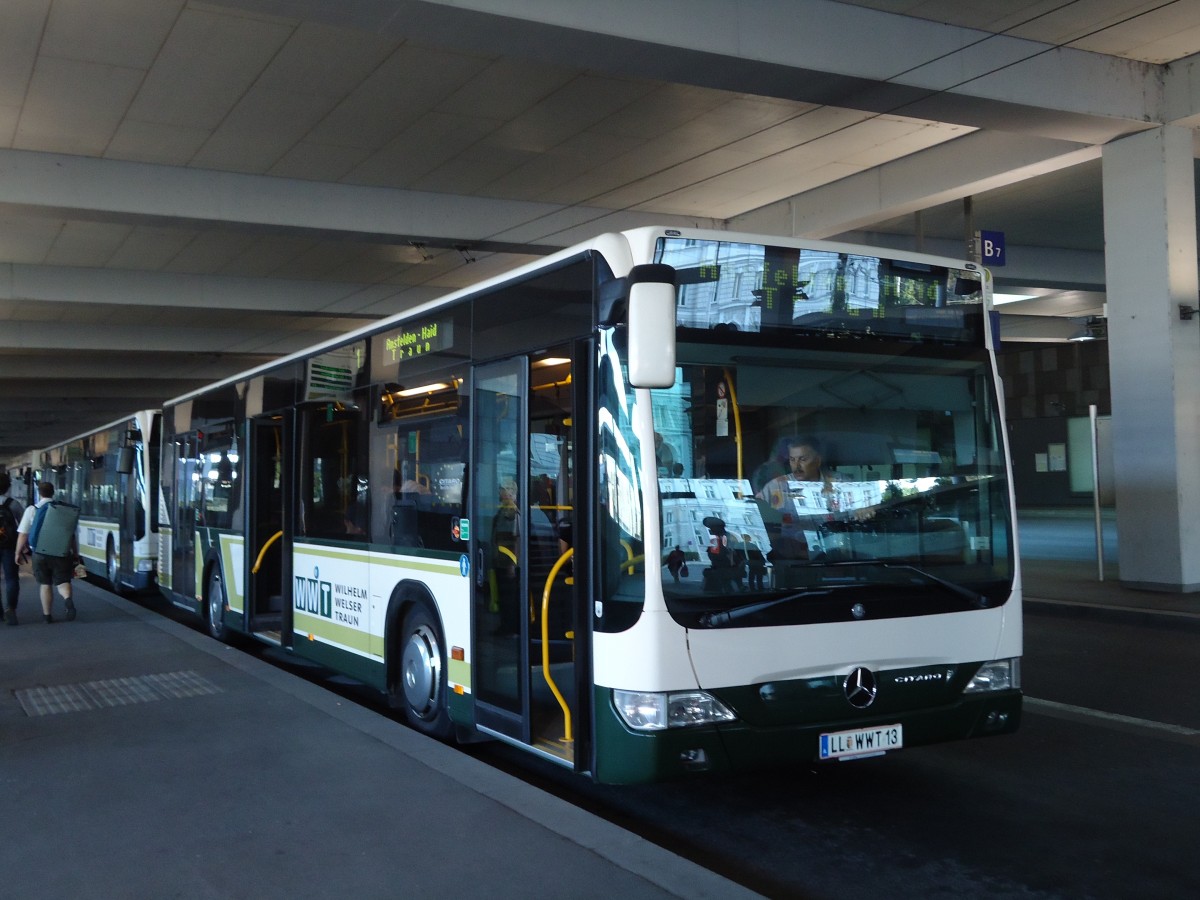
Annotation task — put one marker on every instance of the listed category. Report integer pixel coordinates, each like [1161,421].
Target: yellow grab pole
[546,644]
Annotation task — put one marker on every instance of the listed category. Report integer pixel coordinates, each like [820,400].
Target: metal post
[973,251]
[1096,493]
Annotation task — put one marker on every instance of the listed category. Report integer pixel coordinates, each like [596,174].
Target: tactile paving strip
[46,701]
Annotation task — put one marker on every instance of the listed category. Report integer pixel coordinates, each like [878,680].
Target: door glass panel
[551,555]
[267,549]
[525,596]
[187,485]
[501,591]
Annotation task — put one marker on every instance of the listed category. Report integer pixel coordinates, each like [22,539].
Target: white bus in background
[470,506]
[111,474]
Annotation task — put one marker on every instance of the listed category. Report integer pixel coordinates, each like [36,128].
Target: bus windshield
[830,292]
[827,477]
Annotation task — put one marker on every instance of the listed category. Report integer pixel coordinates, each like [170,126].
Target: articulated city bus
[111,474]
[665,502]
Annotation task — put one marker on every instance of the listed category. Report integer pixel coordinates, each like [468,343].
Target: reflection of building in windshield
[812,498]
[673,429]
[623,499]
[749,286]
[545,455]
[688,501]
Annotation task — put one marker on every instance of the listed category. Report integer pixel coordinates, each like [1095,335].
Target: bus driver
[804,464]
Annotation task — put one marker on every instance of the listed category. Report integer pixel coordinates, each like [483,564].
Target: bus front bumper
[625,756]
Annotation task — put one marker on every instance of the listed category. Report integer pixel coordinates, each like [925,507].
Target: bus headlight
[647,711]
[997,675]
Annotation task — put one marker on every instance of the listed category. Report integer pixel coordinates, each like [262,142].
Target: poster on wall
[1056,456]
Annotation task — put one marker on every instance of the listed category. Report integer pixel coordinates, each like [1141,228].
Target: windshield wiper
[966,593]
[725,616]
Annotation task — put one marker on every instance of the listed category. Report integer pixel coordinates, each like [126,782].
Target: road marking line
[1066,710]
[1178,614]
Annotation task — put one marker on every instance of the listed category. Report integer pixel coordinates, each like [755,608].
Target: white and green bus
[111,474]
[471,506]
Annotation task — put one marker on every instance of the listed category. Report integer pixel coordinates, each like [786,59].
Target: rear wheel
[214,618]
[421,687]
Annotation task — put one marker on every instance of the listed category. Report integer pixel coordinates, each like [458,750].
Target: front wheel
[214,618]
[421,691]
[112,571]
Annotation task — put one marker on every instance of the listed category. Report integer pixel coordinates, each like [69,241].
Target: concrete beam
[57,336]
[146,368]
[66,395]
[123,287]
[1182,96]
[117,190]
[814,51]
[972,164]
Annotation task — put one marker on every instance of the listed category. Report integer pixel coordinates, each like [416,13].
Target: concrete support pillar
[1154,357]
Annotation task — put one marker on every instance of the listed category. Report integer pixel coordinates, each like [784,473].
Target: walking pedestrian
[50,570]
[10,517]
[675,563]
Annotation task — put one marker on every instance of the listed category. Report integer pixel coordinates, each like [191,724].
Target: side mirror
[652,334]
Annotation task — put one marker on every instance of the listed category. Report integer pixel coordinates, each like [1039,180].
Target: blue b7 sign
[991,247]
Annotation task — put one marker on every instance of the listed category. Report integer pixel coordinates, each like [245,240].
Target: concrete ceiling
[191,188]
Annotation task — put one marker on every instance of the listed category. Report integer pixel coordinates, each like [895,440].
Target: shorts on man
[52,570]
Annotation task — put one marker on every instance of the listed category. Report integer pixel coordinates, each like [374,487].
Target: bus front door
[185,577]
[526,602]
[268,535]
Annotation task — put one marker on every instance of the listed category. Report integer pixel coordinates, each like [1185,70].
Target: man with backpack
[10,516]
[48,530]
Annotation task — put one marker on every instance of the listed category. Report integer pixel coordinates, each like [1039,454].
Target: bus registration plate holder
[861,743]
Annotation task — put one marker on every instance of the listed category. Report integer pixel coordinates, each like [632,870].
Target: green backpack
[53,529]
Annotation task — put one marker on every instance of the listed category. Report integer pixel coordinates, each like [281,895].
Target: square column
[1154,357]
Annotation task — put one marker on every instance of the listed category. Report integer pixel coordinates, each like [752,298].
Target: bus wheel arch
[214,602]
[416,661]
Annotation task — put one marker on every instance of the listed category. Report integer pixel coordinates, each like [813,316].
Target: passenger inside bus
[505,573]
[355,518]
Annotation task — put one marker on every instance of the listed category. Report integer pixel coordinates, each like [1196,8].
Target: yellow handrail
[263,552]
[630,559]
[507,553]
[546,644]
[737,421]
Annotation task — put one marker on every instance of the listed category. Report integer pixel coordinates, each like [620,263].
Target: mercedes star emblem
[860,688]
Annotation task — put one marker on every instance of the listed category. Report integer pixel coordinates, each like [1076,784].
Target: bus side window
[332,490]
[423,471]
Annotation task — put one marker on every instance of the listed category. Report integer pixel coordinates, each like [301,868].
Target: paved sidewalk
[141,759]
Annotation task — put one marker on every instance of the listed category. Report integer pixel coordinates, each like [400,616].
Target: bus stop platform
[140,758]
[1065,570]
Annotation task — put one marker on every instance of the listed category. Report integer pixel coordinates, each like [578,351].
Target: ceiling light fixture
[423,389]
